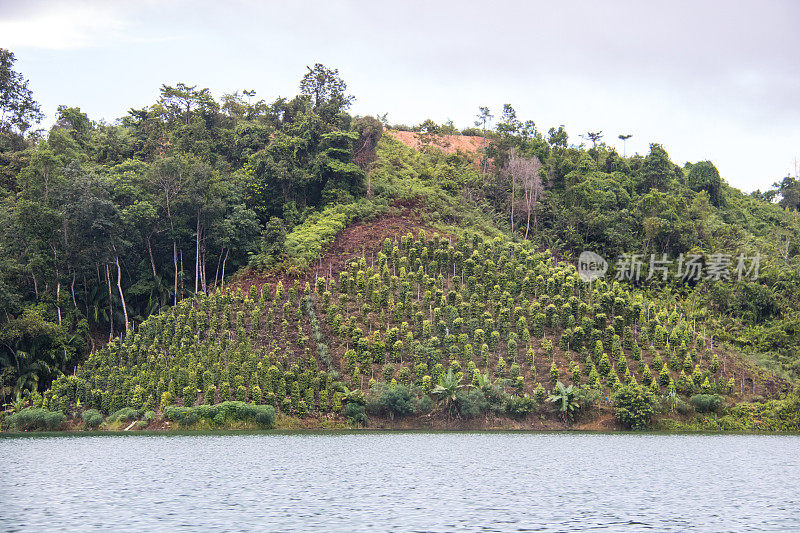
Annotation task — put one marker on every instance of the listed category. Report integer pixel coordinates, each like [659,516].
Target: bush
[224,413]
[92,418]
[33,418]
[520,406]
[587,397]
[707,403]
[634,406]
[471,403]
[355,413]
[683,407]
[126,414]
[394,400]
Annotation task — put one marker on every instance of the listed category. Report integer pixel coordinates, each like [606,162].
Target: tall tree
[524,173]
[18,109]
[623,138]
[326,90]
[483,119]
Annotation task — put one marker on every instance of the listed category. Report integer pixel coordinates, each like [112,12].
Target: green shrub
[634,406]
[471,403]
[126,414]
[92,418]
[520,406]
[683,407]
[707,403]
[34,418]
[355,413]
[222,413]
[587,397]
[392,400]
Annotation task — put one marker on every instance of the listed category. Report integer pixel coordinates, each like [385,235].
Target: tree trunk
[110,308]
[223,268]
[528,222]
[58,283]
[121,295]
[58,294]
[175,264]
[72,288]
[150,253]
[180,253]
[197,255]
[219,261]
[512,205]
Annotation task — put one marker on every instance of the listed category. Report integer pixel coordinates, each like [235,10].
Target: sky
[709,80]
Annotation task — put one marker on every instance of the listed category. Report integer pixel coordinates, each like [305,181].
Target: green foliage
[707,403]
[92,418]
[394,400]
[471,403]
[35,419]
[564,400]
[634,406]
[520,406]
[356,414]
[126,414]
[223,414]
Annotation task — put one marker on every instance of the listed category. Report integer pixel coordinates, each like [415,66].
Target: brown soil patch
[449,144]
[362,239]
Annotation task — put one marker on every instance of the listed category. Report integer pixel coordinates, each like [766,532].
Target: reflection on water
[401,481]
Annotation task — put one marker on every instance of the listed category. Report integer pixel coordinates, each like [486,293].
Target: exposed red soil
[449,144]
[362,239]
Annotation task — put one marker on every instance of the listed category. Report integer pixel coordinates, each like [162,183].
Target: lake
[400,482]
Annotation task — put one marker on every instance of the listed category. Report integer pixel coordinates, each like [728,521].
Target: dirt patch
[362,239]
[450,144]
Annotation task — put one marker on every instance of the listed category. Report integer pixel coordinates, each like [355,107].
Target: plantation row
[419,310]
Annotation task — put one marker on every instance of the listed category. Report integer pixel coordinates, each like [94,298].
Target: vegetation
[634,406]
[111,234]
[35,418]
[225,414]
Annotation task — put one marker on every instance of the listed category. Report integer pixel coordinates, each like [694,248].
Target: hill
[501,317]
[325,270]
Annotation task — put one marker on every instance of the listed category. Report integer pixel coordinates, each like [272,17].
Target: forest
[184,264]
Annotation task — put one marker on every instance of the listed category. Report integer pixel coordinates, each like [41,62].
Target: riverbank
[741,419]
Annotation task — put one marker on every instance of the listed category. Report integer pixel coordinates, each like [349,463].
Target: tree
[447,389]
[525,173]
[182,98]
[326,91]
[557,137]
[483,119]
[624,137]
[509,123]
[593,136]
[704,176]
[369,131]
[657,169]
[18,109]
[789,190]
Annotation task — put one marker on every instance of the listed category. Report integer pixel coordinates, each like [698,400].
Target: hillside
[240,264]
[504,318]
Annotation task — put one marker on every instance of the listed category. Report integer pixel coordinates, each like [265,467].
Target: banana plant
[447,390]
[564,400]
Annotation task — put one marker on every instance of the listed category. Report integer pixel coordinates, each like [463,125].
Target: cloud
[61,26]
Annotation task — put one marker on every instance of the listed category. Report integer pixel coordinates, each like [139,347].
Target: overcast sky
[709,80]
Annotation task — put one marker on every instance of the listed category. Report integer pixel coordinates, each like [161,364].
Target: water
[401,482]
